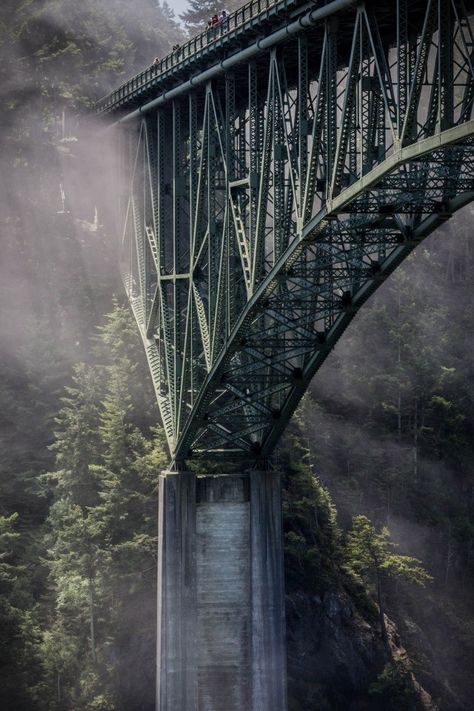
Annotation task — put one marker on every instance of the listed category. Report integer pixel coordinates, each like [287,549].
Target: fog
[58,270]
[412,339]
[57,163]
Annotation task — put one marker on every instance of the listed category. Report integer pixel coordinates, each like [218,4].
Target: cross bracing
[267,202]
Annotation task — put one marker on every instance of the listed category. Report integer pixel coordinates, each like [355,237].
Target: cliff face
[439,632]
[337,659]
[333,655]
[338,662]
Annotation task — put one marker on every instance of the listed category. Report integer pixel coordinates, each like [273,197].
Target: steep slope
[389,423]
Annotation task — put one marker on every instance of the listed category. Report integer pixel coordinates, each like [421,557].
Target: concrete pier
[221,627]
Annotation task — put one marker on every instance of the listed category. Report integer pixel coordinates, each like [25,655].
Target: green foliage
[393,435]
[369,553]
[369,556]
[19,642]
[79,52]
[394,688]
[57,58]
[390,422]
[102,538]
[200,11]
[312,536]
[77,438]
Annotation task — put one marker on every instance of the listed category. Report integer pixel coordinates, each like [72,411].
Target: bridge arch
[269,200]
[247,334]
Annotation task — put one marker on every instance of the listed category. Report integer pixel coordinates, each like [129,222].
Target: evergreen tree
[19,641]
[395,688]
[128,471]
[393,436]
[77,438]
[77,559]
[199,13]
[370,555]
[312,536]
[102,544]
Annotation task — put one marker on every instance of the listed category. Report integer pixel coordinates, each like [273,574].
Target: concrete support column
[221,641]
[268,594]
[176,686]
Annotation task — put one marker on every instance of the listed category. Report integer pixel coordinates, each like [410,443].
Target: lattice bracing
[268,201]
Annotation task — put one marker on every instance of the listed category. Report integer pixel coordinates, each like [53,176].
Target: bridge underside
[264,205]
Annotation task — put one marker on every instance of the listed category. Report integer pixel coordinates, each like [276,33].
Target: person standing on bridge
[214,24]
[224,21]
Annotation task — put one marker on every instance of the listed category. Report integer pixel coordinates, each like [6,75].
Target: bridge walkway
[255,19]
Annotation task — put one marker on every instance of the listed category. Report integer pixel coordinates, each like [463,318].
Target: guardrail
[248,15]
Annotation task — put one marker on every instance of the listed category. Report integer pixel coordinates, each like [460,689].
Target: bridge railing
[249,15]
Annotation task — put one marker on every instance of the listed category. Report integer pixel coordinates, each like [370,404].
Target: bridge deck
[254,19]
[272,180]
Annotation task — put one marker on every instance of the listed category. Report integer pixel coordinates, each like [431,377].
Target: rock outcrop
[337,660]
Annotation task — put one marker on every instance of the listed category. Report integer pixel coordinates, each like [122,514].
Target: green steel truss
[266,204]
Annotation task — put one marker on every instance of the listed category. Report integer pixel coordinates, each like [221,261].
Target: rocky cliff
[337,660]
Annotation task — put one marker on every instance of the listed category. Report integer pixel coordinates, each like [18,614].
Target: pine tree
[200,12]
[77,438]
[312,536]
[370,555]
[102,543]
[128,473]
[19,642]
[77,557]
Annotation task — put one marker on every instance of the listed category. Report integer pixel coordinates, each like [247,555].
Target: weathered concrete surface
[176,648]
[220,594]
[268,594]
[223,594]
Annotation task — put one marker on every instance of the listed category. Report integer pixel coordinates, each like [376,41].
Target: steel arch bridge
[277,171]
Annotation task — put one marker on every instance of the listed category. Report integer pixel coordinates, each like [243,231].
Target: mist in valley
[389,418]
[389,425]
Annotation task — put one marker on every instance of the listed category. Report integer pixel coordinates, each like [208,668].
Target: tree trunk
[92,620]
[383,627]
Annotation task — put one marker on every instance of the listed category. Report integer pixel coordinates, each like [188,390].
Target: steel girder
[265,207]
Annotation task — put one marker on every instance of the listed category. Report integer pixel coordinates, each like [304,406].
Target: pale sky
[178,6]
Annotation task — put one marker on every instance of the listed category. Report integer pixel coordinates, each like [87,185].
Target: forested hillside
[391,417]
[57,277]
[385,435]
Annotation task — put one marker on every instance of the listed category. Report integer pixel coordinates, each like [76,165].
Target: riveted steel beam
[269,199]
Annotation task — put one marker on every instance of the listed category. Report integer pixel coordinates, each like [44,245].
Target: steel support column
[277,174]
